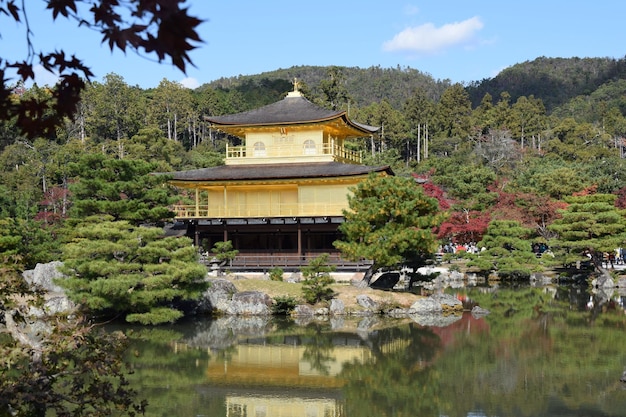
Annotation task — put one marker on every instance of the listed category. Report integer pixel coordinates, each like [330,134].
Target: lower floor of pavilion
[265,243]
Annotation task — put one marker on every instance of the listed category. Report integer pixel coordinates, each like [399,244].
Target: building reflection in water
[282,380]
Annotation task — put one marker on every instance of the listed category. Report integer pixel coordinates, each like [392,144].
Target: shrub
[283,305]
[224,252]
[317,280]
[276,274]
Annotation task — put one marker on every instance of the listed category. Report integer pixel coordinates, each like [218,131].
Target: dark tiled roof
[290,110]
[277,171]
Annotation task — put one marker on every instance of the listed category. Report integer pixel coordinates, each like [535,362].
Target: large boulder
[250,303]
[44,276]
[337,307]
[385,280]
[367,303]
[217,297]
[437,310]
[302,310]
[54,305]
[435,304]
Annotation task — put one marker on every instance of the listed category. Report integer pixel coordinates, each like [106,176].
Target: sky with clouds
[459,40]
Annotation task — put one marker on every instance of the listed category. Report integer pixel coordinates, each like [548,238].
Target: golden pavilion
[279,197]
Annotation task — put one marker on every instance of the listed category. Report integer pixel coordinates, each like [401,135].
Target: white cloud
[190,82]
[429,39]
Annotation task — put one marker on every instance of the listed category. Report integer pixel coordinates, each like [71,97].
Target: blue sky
[459,40]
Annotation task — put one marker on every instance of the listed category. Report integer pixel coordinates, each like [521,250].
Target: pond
[551,351]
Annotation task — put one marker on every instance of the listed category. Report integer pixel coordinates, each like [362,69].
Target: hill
[556,81]
[365,86]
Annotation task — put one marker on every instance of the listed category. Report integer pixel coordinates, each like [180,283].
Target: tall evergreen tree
[390,221]
[419,113]
[114,112]
[123,188]
[528,120]
[334,90]
[171,109]
[452,120]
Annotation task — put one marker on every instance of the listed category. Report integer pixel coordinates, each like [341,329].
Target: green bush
[317,280]
[276,274]
[284,305]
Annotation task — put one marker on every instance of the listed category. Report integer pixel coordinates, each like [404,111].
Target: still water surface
[540,352]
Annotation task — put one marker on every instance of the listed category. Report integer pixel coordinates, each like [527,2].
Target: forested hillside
[365,86]
[555,81]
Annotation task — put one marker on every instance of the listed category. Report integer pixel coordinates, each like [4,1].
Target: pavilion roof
[277,171]
[292,110]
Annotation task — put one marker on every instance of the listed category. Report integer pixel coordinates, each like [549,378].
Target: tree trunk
[365,282]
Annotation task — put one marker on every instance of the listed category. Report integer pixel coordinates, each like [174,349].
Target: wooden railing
[264,262]
[286,150]
[191,211]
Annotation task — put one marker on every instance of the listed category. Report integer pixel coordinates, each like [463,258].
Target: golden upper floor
[291,130]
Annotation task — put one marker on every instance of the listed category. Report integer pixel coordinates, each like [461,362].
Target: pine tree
[590,226]
[507,251]
[317,280]
[390,221]
[117,262]
[123,188]
[116,268]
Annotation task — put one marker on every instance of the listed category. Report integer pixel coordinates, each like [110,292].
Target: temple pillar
[299,239]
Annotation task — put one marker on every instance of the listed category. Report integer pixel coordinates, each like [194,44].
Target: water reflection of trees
[398,380]
[167,372]
[318,351]
[540,352]
[540,357]
[543,356]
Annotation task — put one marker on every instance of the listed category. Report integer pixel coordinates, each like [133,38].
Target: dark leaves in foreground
[160,27]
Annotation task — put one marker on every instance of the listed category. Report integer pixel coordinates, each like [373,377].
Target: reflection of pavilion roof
[277,171]
[292,110]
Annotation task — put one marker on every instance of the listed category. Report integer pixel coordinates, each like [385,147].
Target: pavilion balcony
[291,153]
[242,211]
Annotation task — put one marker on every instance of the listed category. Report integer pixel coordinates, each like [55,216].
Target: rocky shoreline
[229,296]
[224,298]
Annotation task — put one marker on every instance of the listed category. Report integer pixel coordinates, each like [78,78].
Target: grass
[271,288]
[346,293]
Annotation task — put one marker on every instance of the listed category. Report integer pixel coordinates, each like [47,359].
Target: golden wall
[320,198]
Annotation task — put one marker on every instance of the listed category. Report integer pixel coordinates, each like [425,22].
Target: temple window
[309,147]
[259,149]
